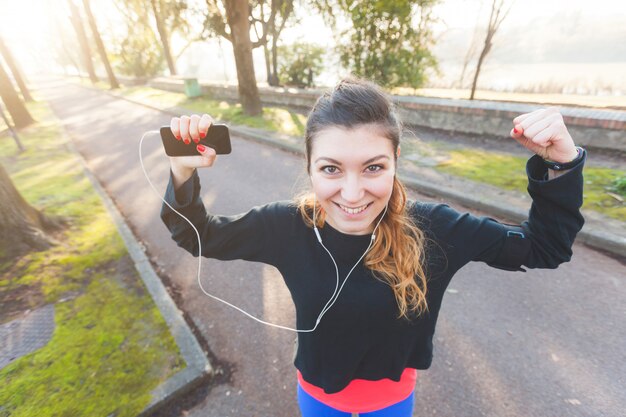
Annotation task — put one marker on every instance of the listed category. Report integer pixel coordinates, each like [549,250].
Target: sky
[548,39]
[462,13]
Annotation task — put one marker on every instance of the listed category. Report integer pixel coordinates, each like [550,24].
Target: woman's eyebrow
[369,161]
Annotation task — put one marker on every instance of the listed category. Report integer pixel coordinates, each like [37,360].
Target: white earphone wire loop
[332,299]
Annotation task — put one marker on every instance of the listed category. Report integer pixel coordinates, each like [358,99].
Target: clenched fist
[544,133]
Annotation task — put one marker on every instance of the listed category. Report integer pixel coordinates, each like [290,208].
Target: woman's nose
[352,190]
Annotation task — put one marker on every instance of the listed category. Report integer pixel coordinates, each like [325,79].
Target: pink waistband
[364,396]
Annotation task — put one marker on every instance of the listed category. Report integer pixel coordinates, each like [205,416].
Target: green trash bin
[192,88]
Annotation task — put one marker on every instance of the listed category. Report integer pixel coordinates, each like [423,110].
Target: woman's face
[352,173]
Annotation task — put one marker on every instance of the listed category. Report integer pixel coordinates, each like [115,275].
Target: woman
[366,268]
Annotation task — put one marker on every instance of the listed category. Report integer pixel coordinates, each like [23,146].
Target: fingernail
[178,137]
[200,148]
[515,130]
[196,140]
[202,135]
[187,141]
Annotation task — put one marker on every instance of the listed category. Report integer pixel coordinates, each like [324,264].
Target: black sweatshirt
[361,336]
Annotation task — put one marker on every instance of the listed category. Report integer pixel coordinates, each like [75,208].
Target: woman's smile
[353,212]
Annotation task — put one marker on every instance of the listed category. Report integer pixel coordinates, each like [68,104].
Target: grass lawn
[110,346]
[508,172]
[276,119]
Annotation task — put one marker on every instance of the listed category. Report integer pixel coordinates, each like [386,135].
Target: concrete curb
[198,367]
[592,235]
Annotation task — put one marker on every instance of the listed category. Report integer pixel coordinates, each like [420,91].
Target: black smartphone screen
[217,138]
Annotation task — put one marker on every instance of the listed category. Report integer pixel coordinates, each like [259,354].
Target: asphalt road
[544,343]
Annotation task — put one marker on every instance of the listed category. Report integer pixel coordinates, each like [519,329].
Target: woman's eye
[329,169]
[376,168]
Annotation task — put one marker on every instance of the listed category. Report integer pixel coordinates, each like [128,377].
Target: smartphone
[217,138]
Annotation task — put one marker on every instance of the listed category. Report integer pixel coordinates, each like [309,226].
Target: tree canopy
[388,41]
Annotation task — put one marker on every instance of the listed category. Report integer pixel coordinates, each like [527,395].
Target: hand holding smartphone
[188,148]
[217,138]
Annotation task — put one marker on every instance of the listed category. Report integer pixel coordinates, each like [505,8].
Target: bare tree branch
[494,23]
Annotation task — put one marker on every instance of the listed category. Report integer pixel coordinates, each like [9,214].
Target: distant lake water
[554,77]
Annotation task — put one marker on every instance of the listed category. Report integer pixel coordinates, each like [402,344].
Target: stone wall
[605,129]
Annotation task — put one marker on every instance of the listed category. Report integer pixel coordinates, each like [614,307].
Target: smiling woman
[356,122]
[362,340]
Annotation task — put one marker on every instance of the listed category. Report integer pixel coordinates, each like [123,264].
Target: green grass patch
[100,360]
[277,119]
[274,118]
[508,172]
[111,346]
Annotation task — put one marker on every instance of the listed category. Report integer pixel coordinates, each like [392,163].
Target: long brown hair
[397,256]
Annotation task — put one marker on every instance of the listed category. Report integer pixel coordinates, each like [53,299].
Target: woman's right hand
[190,129]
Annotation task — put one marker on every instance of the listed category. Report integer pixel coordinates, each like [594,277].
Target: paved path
[544,343]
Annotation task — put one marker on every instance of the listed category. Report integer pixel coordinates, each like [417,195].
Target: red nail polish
[514,130]
[196,140]
[178,137]
[200,148]
[187,141]
[202,135]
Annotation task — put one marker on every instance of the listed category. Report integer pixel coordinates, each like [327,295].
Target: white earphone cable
[319,238]
[332,299]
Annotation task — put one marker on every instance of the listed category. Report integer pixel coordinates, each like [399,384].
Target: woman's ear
[398,152]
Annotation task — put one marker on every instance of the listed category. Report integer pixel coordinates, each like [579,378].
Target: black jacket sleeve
[543,241]
[252,236]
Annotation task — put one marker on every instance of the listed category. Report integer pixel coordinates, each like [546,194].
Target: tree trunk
[23,227]
[237,12]
[103,54]
[483,55]
[164,37]
[18,111]
[82,40]
[275,81]
[8,58]
[270,66]
[495,19]
[286,11]
[469,55]
[268,70]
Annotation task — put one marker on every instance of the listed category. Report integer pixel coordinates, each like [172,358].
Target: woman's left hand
[544,133]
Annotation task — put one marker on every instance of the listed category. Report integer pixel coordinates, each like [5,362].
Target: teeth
[353,211]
